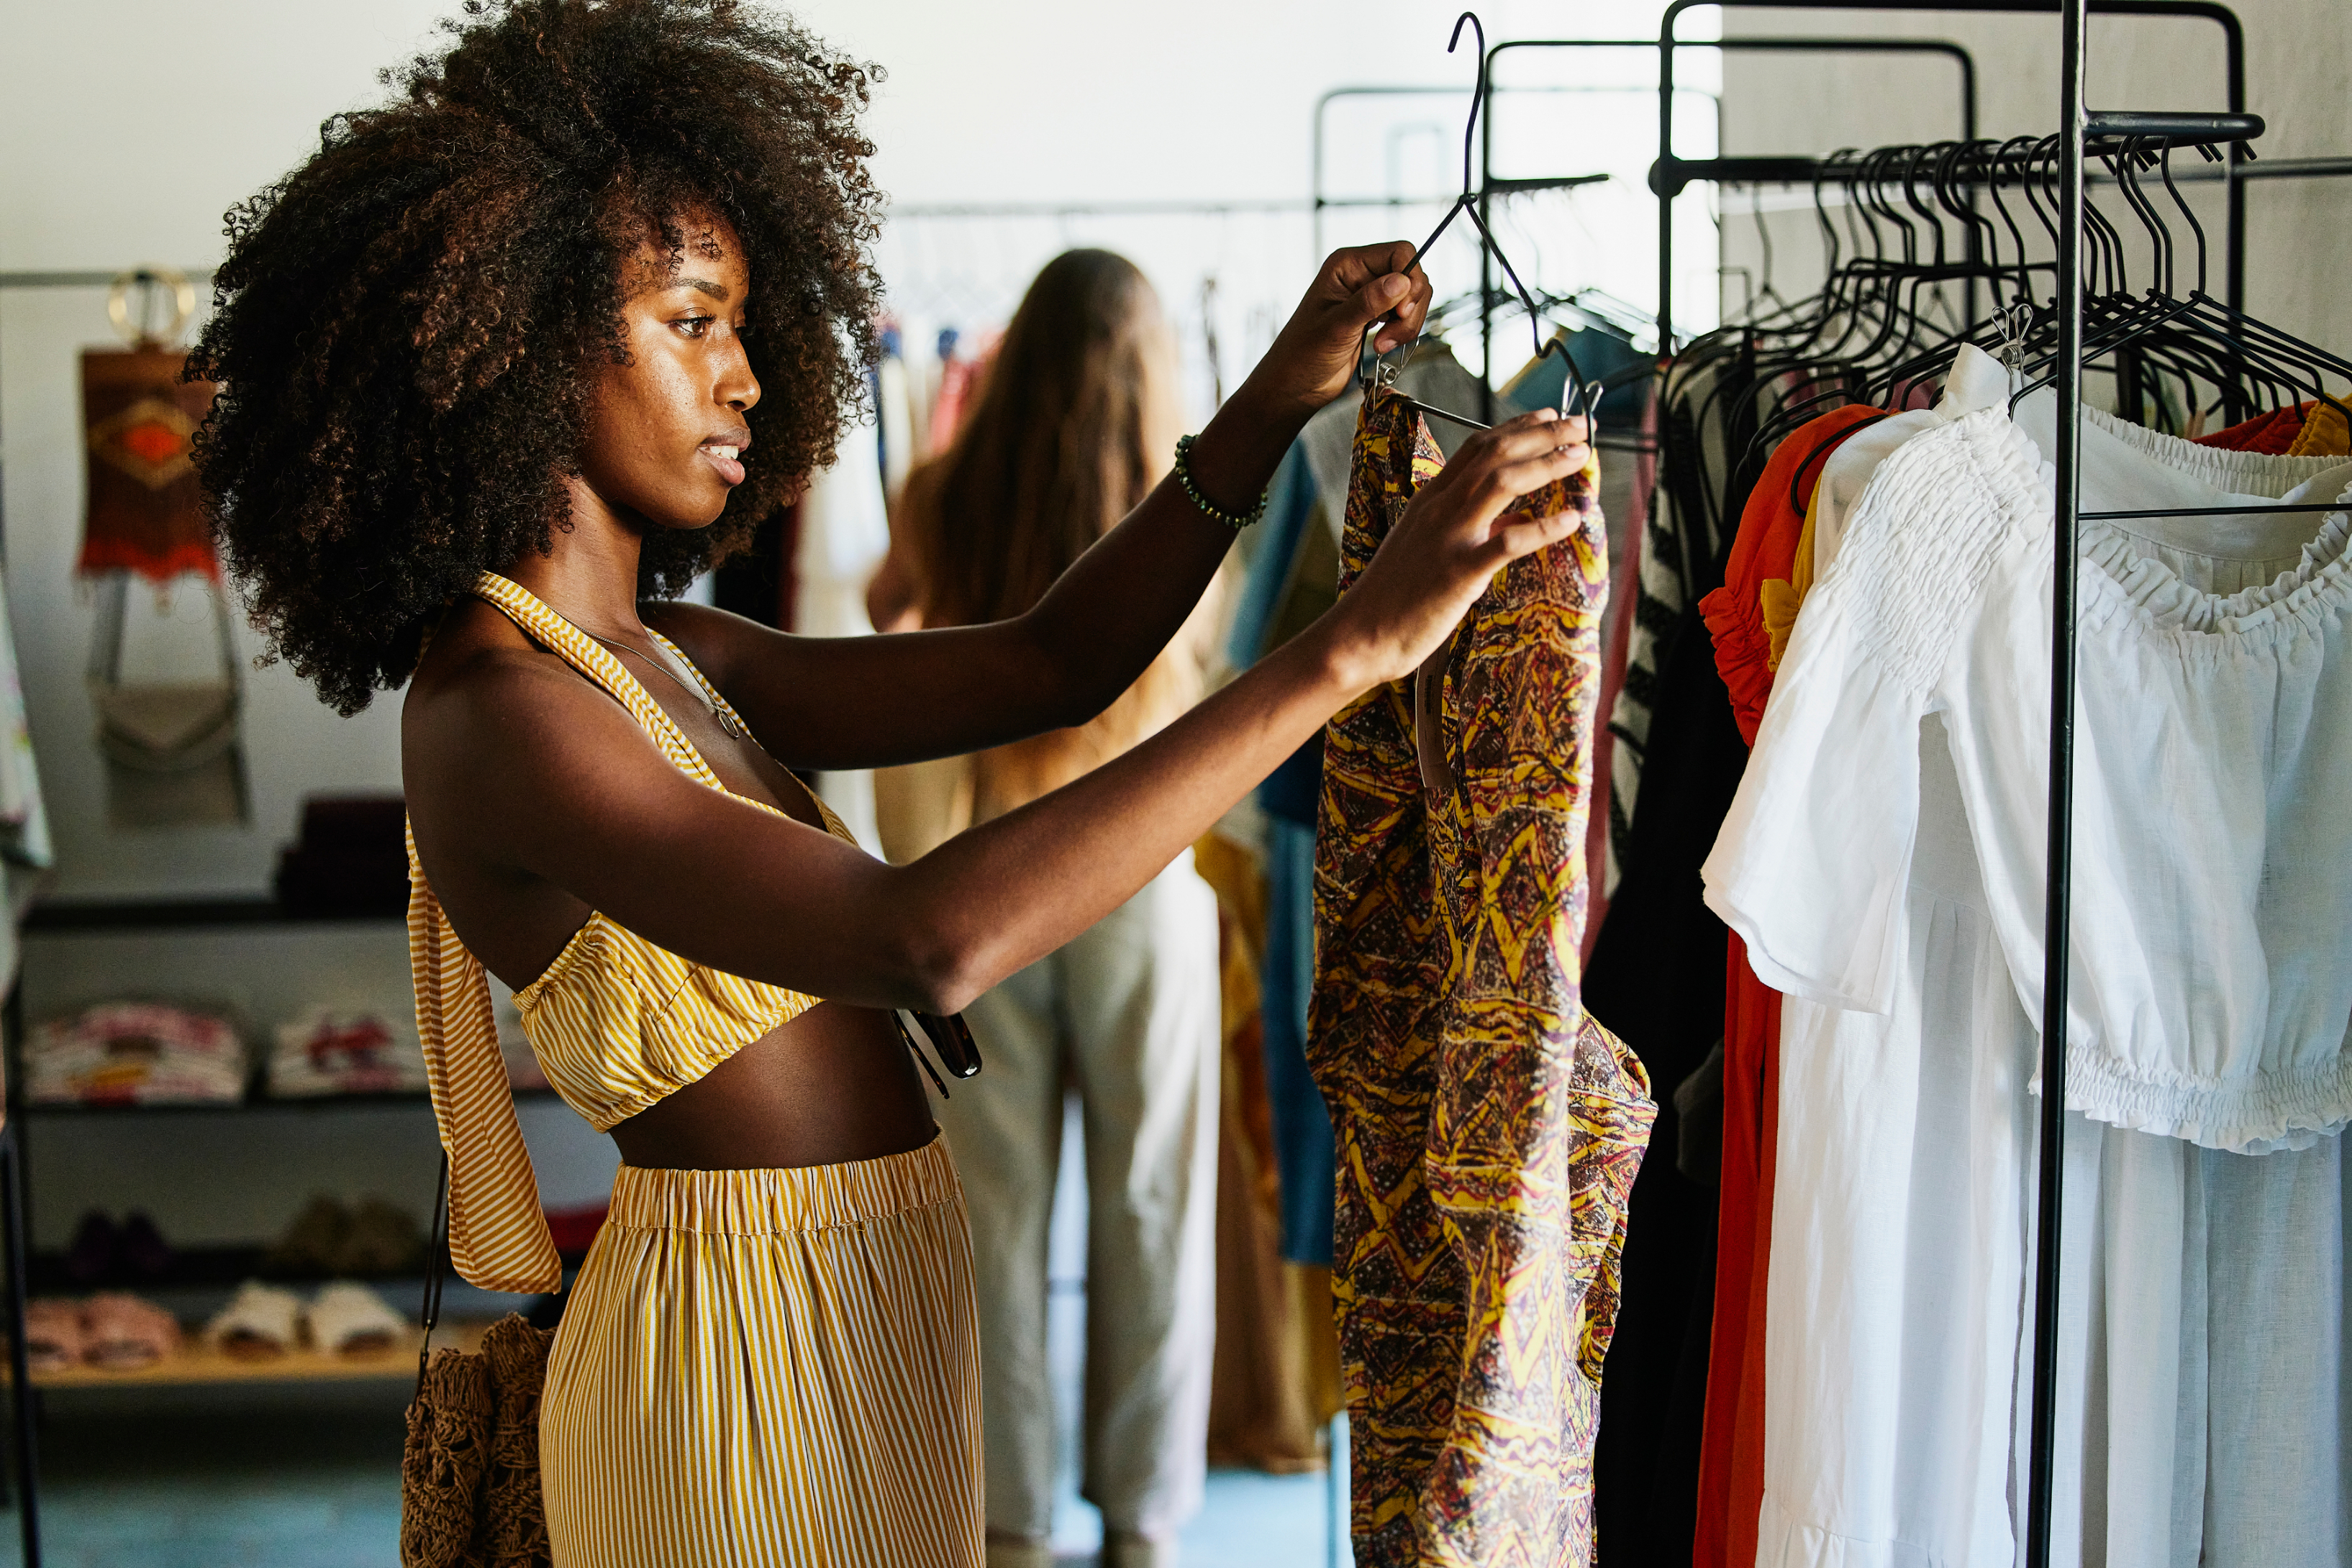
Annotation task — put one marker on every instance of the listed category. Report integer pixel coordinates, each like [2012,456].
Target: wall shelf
[101,914]
[196,1363]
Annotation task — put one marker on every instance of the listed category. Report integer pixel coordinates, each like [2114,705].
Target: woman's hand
[1316,356]
[1450,543]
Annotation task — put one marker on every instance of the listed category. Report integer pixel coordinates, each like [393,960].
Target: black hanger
[1382,375]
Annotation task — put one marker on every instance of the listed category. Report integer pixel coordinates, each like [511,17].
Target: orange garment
[1764,558]
[2303,430]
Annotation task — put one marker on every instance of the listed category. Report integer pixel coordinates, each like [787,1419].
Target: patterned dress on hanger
[1489,1129]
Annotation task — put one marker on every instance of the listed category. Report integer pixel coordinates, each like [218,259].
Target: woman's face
[666,438]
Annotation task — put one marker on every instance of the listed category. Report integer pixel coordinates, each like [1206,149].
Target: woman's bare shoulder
[485,700]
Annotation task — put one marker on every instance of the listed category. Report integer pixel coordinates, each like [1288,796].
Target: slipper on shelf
[53,1333]
[380,1240]
[312,1245]
[260,1322]
[141,1252]
[123,1333]
[90,1256]
[349,1319]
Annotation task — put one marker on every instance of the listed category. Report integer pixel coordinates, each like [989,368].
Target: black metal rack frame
[1489,187]
[1672,175]
[2079,125]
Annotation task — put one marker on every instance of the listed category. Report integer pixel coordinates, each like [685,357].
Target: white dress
[1910,711]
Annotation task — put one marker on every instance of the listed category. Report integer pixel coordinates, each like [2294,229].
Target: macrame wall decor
[169,737]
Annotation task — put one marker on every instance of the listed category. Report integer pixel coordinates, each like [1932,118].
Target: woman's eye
[693,326]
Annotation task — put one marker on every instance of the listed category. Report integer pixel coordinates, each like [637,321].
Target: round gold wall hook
[147,279]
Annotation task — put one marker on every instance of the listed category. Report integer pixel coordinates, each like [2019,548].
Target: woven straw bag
[469,1491]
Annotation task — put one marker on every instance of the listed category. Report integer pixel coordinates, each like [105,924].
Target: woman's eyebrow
[716,290]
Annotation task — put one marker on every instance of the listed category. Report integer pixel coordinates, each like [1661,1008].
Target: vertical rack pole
[2233,37]
[1666,186]
[2055,934]
[20,1385]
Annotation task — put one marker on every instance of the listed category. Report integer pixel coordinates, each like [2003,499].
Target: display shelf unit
[254,1102]
[177,914]
[195,1365]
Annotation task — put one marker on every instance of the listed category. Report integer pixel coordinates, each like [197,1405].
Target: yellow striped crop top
[617,1023]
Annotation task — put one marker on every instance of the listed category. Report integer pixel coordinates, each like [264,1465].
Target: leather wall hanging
[139,418]
[172,746]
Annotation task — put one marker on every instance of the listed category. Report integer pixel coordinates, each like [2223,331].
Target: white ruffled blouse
[2212,988]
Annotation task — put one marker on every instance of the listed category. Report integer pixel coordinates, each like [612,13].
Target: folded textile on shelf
[260,1322]
[122,1332]
[135,1053]
[328,1050]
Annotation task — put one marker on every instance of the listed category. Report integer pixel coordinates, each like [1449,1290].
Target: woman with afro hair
[504,366]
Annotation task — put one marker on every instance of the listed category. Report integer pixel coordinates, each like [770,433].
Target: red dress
[1731,1452]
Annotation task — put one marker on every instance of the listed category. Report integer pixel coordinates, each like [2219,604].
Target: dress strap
[596,662]
[593,660]
[499,1237]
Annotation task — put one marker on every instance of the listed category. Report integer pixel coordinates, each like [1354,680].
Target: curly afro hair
[407,325]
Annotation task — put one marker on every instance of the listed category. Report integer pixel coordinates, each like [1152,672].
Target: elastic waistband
[764,1202]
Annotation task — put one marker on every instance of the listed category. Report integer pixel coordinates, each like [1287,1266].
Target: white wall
[130,152]
[127,127]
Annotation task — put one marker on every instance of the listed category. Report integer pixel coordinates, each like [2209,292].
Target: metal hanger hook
[1469,134]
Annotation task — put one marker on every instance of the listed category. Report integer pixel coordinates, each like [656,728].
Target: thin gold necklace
[725,720]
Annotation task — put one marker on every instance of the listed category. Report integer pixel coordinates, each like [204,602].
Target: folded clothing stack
[135,1053]
[325,1051]
[117,1331]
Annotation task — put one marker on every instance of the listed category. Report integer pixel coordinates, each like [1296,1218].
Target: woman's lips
[728,460]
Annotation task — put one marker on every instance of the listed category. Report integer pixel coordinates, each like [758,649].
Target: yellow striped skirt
[778,1367]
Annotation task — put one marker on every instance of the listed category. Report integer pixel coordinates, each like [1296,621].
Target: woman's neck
[589,575]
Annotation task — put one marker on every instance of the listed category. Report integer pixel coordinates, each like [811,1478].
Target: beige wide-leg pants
[1127,1017]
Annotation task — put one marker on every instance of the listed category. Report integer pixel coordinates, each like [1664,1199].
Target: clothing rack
[1318,202]
[2079,127]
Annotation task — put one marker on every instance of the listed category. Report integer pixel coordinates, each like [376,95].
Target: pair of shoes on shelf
[326,1239]
[104,1253]
[262,1322]
[113,1330]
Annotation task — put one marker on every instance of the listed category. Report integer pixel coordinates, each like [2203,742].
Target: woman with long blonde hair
[1074,423]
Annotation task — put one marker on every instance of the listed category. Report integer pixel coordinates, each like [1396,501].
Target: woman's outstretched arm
[864,702]
[560,786]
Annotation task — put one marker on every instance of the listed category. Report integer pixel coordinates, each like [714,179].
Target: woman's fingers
[1522,455]
[1388,290]
[1516,536]
[1315,356]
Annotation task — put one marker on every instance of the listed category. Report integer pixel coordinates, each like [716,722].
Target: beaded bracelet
[1236,522]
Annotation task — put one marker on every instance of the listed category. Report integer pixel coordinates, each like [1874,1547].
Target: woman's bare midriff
[833,1085]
